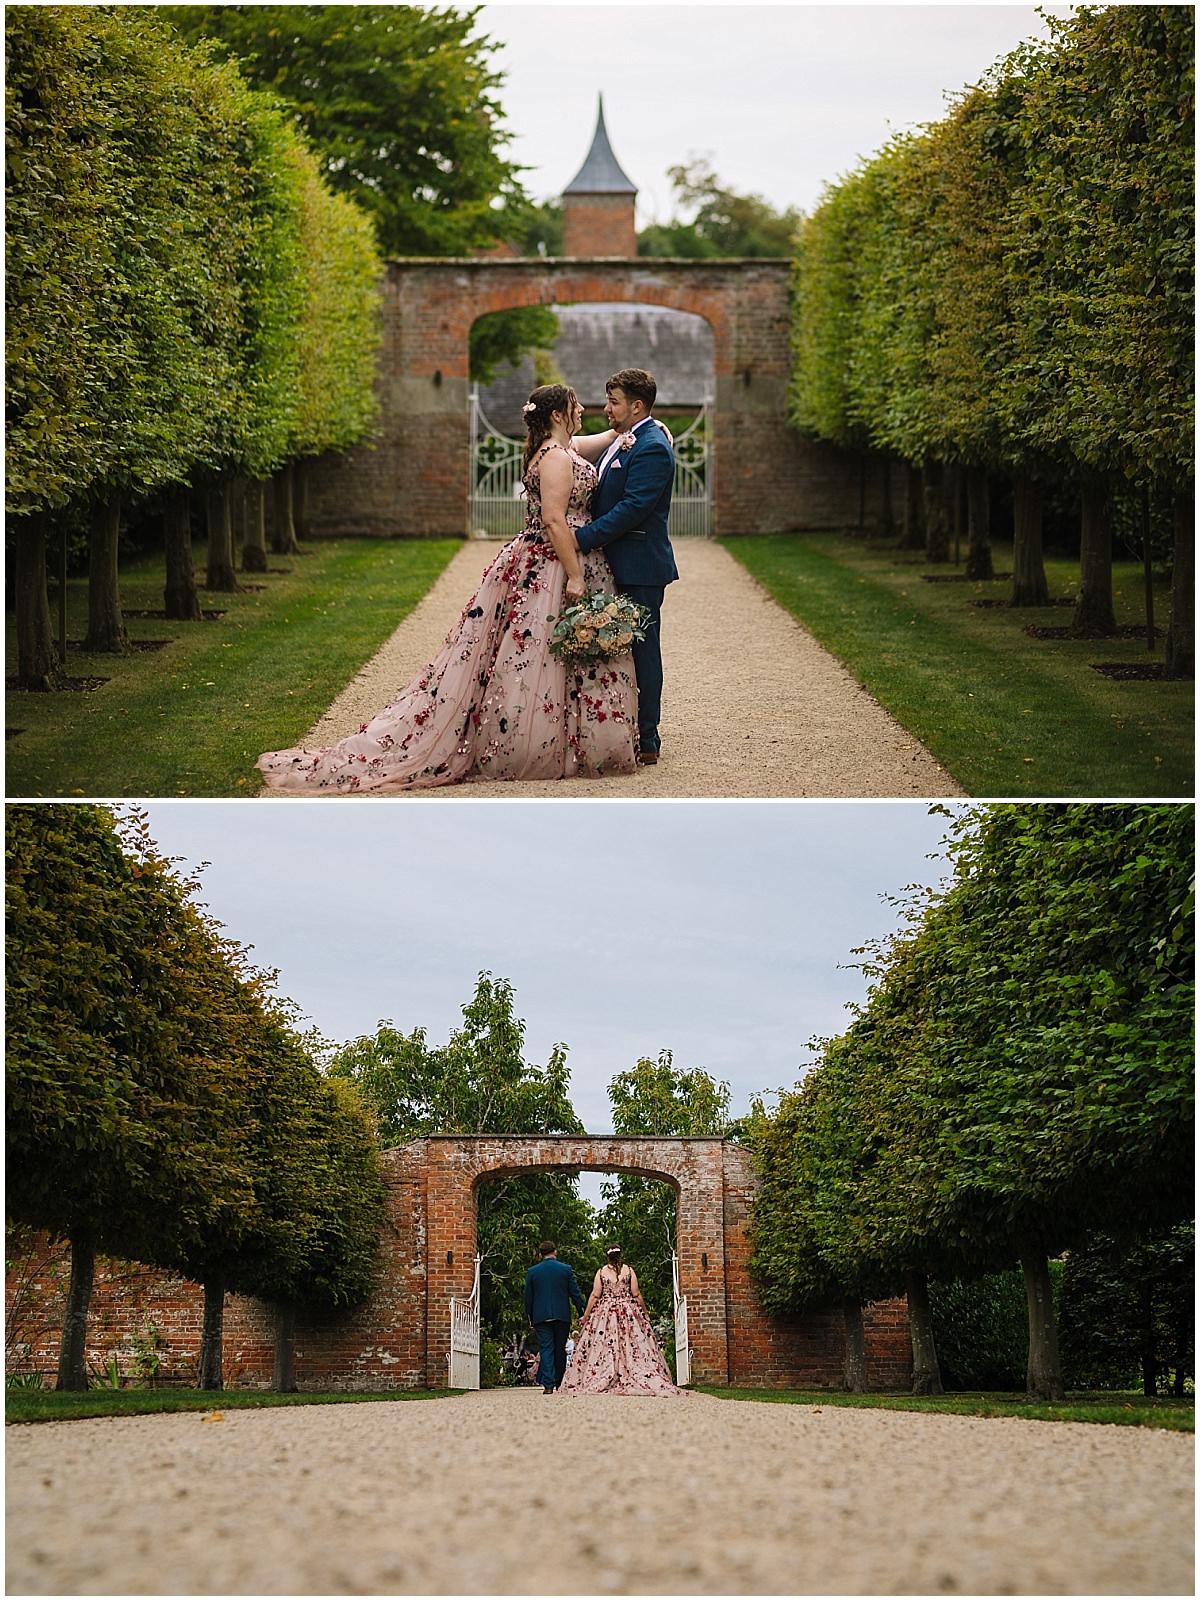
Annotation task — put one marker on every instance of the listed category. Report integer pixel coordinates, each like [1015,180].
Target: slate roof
[601,173]
[597,340]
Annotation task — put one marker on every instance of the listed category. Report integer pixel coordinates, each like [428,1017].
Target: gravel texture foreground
[510,1492]
[752,705]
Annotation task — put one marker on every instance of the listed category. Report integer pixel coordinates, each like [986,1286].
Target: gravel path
[509,1492]
[753,706]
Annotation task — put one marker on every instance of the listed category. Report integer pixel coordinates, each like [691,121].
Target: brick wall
[400,1338]
[599,225]
[413,481]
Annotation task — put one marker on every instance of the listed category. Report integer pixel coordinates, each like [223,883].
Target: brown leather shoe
[647,758]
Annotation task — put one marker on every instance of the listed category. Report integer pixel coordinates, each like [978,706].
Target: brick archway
[400,1338]
[414,482]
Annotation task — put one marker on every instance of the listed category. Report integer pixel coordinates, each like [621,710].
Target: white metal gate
[683,1351]
[497,498]
[464,1339]
[691,498]
[497,495]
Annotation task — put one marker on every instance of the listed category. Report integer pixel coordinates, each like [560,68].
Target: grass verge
[54,1406]
[1008,714]
[189,718]
[1154,1412]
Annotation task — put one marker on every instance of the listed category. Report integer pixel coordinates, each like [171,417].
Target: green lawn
[48,1406]
[1155,1412]
[1009,715]
[190,718]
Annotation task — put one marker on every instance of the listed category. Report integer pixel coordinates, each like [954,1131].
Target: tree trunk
[1181,631]
[887,518]
[285,1348]
[254,542]
[955,489]
[221,574]
[979,525]
[937,527]
[106,626]
[38,663]
[1094,603]
[210,1376]
[1029,586]
[181,598]
[912,530]
[854,1372]
[72,1353]
[927,1376]
[301,497]
[283,528]
[1147,568]
[1043,1377]
[1147,1343]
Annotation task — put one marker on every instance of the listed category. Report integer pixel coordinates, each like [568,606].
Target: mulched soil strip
[985,605]
[80,685]
[161,616]
[1129,632]
[132,645]
[1142,670]
[961,578]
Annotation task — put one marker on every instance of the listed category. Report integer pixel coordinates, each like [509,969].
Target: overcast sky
[717,930]
[782,99]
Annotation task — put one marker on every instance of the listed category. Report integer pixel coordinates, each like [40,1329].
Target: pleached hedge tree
[1019,1077]
[160,1108]
[1009,294]
[190,307]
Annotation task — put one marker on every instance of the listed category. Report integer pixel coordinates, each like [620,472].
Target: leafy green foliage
[501,338]
[981,1328]
[1014,285]
[656,1098]
[159,1103]
[1128,1314]
[723,222]
[1021,1071]
[398,100]
[480,1083]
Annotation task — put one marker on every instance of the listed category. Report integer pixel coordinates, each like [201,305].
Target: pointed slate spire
[601,173]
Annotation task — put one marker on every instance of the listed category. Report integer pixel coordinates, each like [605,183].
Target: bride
[616,1352]
[494,703]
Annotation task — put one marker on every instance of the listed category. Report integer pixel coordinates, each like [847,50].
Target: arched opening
[594,339]
[514,1208]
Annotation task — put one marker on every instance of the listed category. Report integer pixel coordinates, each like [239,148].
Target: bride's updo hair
[613,1255]
[538,410]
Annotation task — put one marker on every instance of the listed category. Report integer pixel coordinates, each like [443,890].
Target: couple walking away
[495,703]
[616,1352]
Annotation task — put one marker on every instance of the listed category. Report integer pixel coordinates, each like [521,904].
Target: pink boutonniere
[627,441]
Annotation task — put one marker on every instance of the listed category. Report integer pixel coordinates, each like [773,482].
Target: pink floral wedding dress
[494,703]
[616,1352]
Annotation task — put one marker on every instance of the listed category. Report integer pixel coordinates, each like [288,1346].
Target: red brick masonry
[413,481]
[400,1338]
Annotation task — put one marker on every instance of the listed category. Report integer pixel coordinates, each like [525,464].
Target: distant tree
[501,338]
[1128,1311]
[654,1097]
[400,101]
[723,222]
[480,1083]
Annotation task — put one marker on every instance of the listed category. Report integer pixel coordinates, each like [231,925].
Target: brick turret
[598,215]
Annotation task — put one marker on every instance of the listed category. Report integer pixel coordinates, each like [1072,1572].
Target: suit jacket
[629,511]
[550,1287]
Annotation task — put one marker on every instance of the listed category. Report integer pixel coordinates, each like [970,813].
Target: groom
[550,1287]
[629,519]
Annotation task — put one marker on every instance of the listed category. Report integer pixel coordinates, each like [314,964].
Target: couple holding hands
[497,702]
[616,1352]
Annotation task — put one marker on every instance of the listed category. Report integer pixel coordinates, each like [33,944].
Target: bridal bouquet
[597,629]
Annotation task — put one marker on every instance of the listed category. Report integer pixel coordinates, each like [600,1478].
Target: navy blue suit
[629,521]
[550,1288]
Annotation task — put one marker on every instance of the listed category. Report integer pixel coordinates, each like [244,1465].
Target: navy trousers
[552,1346]
[647,664]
